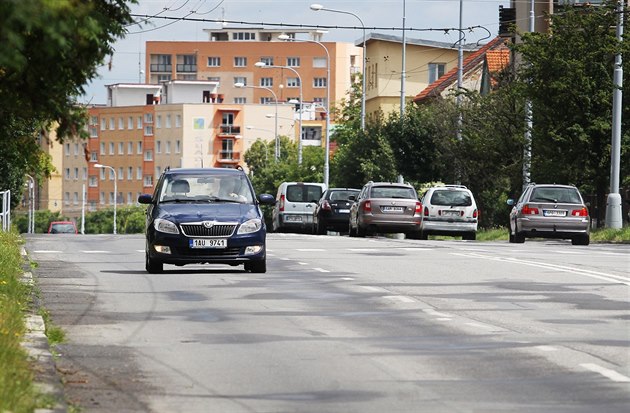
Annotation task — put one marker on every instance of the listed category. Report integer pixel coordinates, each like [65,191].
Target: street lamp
[326,108]
[264,65]
[31,205]
[275,97]
[98,165]
[319,7]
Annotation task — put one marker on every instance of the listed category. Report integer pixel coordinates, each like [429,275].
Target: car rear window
[342,195]
[556,195]
[454,198]
[393,192]
[62,229]
[303,193]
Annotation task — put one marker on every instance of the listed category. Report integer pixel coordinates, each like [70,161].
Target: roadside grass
[597,235]
[17,392]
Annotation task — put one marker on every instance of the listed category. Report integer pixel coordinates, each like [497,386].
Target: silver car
[385,207]
[550,211]
[449,210]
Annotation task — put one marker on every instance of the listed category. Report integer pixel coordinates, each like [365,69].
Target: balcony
[162,68]
[230,130]
[230,157]
[183,68]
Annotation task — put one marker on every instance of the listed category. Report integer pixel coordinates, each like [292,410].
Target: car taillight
[326,206]
[281,202]
[580,212]
[527,210]
[426,211]
[475,214]
[367,206]
[418,207]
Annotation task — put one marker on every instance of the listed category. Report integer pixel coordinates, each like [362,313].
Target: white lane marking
[302,263]
[310,249]
[140,251]
[561,268]
[374,289]
[568,252]
[546,348]
[320,270]
[47,252]
[364,249]
[347,278]
[610,374]
[444,319]
[410,249]
[431,311]
[96,252]
[482,326]
[401,298]
[285,259]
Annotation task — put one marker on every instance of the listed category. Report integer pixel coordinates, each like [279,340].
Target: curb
[47,381]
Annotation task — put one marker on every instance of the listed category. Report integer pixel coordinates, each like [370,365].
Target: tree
[567,75]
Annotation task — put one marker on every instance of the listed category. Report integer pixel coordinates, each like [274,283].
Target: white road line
[285,259]
[364,249]
[610,374]
[588,273]
[432,312]
[546,348]
[482,326]
[302,263]
[374,289]
[568,252]
[96,252]
[401,298]
[47,252]
[415,249]
[139,250]
[310,249]
[347,278]
[320,270]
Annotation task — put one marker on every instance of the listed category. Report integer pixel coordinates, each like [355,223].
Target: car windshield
[206,188]
[556,195]
[342,195]
[393,192]
[303,193]
[62,229]
[451,198]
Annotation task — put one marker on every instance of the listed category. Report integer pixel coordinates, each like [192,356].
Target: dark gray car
[550,211]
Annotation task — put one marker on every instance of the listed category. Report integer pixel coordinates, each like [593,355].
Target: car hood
[220,212]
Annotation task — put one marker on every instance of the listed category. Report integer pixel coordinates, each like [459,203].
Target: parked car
[550,211]
[385,207]
[295,204]
[333,210]
[62,227]
[199,216]
[449,210]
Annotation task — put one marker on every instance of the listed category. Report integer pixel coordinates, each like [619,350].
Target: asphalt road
[340,324]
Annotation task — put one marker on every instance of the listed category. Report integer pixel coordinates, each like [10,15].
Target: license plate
[344,211]
[450,213]
[293,218]
[207,243]
[393,209]
[554,213]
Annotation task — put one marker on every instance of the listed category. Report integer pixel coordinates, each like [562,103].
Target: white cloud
[424,19]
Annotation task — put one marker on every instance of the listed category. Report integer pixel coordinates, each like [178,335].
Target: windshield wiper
[539,199]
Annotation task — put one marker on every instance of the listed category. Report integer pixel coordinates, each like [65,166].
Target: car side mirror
[510,202]
[587,204]
[145,199]
[352,198]
[266,199]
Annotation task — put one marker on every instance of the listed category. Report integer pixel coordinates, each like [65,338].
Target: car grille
[208,252]
[217,230]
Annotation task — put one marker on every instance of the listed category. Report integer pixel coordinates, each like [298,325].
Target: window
[240,101]
[158,122]
[76,174]
[139,173]
[139,122]
[93,157]
[66,198]
[103,124]
[120,174]
[129,198]
[293,82]
[266,81]
[93,120]
[67,149]
[240,61]
[168,147]
[148,155]
[267,60]
[267,100]
[139,148]
[93,132]
[111,198]
[101,198]
[293,61]
[75,198]
[148,180]
[84,173]
[111,148]
[240,79]
[148,130]
[163,78]
[121,123]
[92,181]
[111,174]
[121,148]
[102,174]
[436,70]
[102,152]
[168,121]
[177,147]
[129,173]
[129,148]
[112,123]
[76,149]
[158,146]
[227,149]
[244,36]
[319,82]
[158,172]
[214,61]
[130,122]
[148,118]
[178,121]
[67,173]
[319,62]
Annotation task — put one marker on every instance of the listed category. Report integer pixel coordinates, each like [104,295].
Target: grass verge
[17,392]
[597,235]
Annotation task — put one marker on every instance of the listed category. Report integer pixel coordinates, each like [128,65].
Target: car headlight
[250,226]
[166,226]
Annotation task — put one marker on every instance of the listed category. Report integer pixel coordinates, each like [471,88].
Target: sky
[423,19]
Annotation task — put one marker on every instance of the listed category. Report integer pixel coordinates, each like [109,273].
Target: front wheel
[470,236]
[259,267]
[583,239]
[153,266]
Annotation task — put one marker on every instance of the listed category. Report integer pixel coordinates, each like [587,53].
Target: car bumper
[553,227]
[181,253]
[391,225]
[296,221]
[445,227]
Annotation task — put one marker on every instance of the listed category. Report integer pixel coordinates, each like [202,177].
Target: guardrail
[5,216]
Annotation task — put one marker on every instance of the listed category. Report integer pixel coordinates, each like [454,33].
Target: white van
[295,204]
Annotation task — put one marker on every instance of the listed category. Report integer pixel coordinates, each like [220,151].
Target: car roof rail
[456,186]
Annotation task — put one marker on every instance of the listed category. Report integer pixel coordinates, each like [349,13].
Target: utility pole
[527,150]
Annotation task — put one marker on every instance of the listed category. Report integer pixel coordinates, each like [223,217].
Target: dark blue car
[206,215]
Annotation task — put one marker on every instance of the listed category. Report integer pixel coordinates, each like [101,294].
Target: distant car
[449,210]
[62,227]
[205,216]
[333,210]
[295,204]
[550,211]
[385,207]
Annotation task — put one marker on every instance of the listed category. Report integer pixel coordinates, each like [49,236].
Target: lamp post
[98,165]
[319,7]
[31,204]
[275,97]
[327,106]
[263,65]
